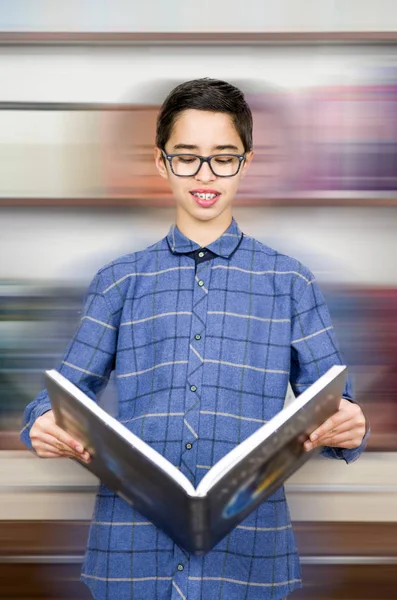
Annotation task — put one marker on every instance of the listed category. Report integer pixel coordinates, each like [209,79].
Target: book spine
[199,530]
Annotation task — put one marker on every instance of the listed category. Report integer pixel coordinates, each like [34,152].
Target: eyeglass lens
[222,165]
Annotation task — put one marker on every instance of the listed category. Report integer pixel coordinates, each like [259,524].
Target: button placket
[180,560]
[180,578]
[195,367]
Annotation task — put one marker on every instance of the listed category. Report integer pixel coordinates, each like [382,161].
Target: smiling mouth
[205,199]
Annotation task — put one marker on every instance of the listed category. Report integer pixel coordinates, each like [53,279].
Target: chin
[212,212]
[208,215]
[202,214]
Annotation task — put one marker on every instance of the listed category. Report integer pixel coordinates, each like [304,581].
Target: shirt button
[180,567]
[197,336]
[201,283]
[201,254]
[193,388]
[188,446]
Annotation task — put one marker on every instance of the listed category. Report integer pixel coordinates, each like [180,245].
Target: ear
[248,158]
[160,163]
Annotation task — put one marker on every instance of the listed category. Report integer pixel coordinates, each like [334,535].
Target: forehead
[204,129]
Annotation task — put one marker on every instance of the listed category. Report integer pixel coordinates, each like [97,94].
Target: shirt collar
[224,246]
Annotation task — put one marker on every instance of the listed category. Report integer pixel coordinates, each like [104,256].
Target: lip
[204,191]
[202,202]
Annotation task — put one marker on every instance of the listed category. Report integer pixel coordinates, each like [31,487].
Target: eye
[186,160]
[224,161]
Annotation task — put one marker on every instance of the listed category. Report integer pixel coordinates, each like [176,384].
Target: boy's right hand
[50,441]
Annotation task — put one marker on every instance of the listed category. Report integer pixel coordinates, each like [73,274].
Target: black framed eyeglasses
[188,165]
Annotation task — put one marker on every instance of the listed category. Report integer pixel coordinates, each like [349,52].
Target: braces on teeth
[205,196]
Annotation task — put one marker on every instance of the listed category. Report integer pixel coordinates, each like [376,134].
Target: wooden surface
[313,538]
[221,37]
[38,545]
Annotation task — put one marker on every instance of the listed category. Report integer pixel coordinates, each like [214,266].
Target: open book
[196,519]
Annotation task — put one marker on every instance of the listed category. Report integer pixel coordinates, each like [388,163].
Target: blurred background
[80,88]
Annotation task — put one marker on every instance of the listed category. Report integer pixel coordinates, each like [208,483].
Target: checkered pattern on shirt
[202,353]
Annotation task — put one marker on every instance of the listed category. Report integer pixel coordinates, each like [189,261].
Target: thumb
[50,415]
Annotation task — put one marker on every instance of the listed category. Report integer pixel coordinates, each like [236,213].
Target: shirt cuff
[347,454]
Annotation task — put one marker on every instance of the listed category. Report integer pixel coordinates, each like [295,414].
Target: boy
[203,329]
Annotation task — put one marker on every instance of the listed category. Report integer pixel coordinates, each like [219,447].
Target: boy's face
[203,132]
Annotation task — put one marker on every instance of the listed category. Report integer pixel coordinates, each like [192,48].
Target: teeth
[204,196]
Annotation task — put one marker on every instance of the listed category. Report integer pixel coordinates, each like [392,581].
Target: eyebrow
[194,147]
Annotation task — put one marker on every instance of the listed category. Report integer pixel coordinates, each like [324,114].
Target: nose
[205,173]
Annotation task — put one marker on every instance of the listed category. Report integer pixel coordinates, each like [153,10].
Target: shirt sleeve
[89,358]
[314,350]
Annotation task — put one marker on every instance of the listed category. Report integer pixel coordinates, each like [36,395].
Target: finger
[60,434]
[85,457]
[42,449]
[66,450]
[49,448]
[39,436]
[58,444]
[346,426]
[48,454]
[329,425]
[353,437]
[352,429]
[342,441]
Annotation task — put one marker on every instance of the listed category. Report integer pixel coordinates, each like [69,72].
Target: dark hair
[205,94]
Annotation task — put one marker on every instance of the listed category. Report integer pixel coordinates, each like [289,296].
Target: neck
[203,232]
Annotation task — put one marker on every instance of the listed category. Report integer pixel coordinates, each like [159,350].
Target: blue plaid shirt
[203,342]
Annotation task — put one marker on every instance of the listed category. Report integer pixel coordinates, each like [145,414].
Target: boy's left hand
[345,429]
